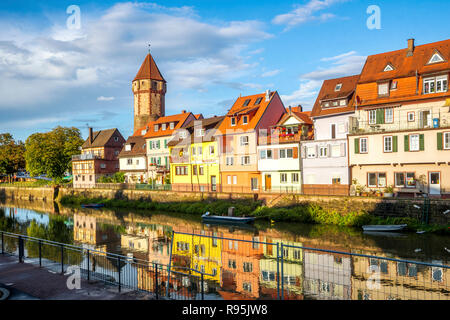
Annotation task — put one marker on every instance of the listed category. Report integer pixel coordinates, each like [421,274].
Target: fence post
[118,270]
[282,272]
[203,287]
[40,253]
[21,250]
[88,267]
[156,280]
[278,271]
[169,267]
[62,259]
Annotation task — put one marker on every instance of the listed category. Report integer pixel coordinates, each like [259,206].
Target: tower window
[154,85]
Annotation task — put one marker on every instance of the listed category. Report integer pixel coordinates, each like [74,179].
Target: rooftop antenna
[149,45]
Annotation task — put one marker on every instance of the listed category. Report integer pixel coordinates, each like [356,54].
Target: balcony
[283,138]
[86,156]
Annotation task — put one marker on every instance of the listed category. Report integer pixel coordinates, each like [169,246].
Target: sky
[58,67]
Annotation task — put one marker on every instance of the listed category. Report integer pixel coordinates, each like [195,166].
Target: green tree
[12,154]
[51,153]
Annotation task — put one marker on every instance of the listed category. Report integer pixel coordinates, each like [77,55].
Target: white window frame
[388,144]
[233,121]
[323,152]
[245,119]
[229,179]
[283,178]
[416,142]
[156,128]
[234,179]
[295,177]
[338,87]
[396,182]
[443,81]
[163,126]
[230,161]
[282,154]
[211,150]
[244,161]
[244,141]
[389,112]
[372,116]
[343,103]
[366,149]
[413,116]
[446,140]
[311,155]
[172,125]
[385,86]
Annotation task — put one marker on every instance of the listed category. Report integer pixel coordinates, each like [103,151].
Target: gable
[389,67]
[291,120]
[436,58]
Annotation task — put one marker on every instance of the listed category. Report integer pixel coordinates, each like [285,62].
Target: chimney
[411,47]
[91,136]
[267,95]
[300,108]
[290,109]
[183,111]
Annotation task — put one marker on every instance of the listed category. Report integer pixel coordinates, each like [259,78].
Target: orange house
[238,135]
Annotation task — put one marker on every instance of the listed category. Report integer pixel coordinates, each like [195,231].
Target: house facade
[194,157]
[325,159]
[99,157]
[400,136]
[238,136]
[278,153]
[133,160]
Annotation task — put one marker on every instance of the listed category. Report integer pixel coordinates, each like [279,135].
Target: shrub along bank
[305,213]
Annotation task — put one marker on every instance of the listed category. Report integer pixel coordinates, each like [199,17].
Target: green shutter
[165,143]
[406,143]
[440,145]
[150,145]
[422,142]
[380,116]
[357,145]
[395,144]
[158,145]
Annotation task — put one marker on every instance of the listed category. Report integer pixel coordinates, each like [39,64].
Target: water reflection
[242,264]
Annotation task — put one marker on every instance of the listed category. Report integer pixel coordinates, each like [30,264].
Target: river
[245,268]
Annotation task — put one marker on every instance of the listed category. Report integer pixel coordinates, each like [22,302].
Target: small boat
[385,228]
[93,205]
[226,219]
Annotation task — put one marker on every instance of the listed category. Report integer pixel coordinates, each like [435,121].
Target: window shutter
[406,143]
[150,144]
[356,145]
[165,143]
[380,116]
[440,145]
[422,142]
[303,151]
[395,144]
[329,151]
[343,150]
[295,153]
[158,144]
[317,152]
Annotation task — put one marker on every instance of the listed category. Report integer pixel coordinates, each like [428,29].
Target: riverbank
[308,212]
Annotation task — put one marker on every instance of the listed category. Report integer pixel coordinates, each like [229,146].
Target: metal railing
[126,273]
[276,270]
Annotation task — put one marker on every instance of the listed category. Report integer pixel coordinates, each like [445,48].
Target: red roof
[149,70]
[148,131]
[328,92]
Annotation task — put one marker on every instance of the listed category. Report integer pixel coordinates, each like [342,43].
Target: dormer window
[116,139]
[343,103]
[338,87]
[436,58]
[394,85]
[388,68]
[156,127]
[326,105]
[163,126]
[245,120]
[258,101]
[335,103]
[246,102]
[435,84]
[383,89]
[172,125]
[144,132]
[233,121]
[128,147]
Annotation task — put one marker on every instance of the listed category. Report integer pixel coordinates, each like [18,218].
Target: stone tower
[149,89]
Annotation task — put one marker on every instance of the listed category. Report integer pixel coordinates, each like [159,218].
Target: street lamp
[448,211]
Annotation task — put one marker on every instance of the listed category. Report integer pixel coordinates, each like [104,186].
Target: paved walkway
[28,282]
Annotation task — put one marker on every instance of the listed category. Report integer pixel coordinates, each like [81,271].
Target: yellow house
[197,252]
[194,157]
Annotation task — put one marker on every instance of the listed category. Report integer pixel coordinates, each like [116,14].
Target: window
[254,183]
[399,179]
[181,171]
[389,115]
[388,68]
[269,154]
[336,151]
[211,149]
[199,132]
[199,151]
[230,161]
[335,103]
[247,286]
[338,87]
[414,142]
[336,181]
[343,103]
[258,101]
[323,152]
[311,152]
[283,178]
[183,134]
[193,151]
[363,145]
[127,147]
[333,131]
[394,85]
[388,144]
[295,178]
[372,116]
[435,84]
[244,141]
[163,126]
[436,58]
[383,89]
[245,160]
[245,120]
[201,170]
[156,127]
[233,121]
[229,179]
[263,154]
[234,179]
[446,140]
[103,166]
[282,153]
[376,180]
[231,263]
[246,102]
[289,153]
[116,139]
[194,170]
[248,267]
[410,180]
[326,104]
[129,161]
[172,125]
[411,116]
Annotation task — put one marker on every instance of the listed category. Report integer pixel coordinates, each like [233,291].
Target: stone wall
[23,193]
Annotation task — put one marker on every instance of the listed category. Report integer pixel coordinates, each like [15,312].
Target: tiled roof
[149,70]
[137,147]
[328,92]
[210,125]
[102,138]
[238,109]
[406,66]
[179,120]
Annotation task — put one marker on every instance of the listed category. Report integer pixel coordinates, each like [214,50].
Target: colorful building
[278,153]
[249,117]
[400,135]
[194,157]
[133,160]
[325,159]
[99,157]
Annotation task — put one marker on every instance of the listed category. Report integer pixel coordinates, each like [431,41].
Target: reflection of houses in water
[377,279]
[327,275]
[292,269]
[88,230]
[241,264]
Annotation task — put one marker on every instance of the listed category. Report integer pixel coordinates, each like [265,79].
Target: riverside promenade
[28,282]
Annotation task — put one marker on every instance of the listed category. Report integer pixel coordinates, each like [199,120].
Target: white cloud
[305,95]
[102,98]
[307,12]
[270,73]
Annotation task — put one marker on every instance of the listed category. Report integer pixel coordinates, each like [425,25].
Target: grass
[309,213]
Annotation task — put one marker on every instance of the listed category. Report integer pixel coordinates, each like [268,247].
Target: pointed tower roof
[149,70]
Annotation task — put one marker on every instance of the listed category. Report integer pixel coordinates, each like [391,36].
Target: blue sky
[209,52]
